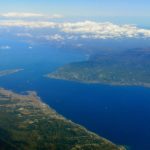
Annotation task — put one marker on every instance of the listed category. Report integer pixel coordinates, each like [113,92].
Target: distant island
[27,123]
[130,68]
[9,71]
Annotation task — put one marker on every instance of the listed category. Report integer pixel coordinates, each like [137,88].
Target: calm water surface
[121,114]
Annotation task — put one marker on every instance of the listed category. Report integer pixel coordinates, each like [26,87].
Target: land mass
[130,67]
[10,71]
[27,123]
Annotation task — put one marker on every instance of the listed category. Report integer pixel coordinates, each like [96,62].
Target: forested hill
[130,67]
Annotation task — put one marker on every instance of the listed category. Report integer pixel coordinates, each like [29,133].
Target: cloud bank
[84,30]
[106,30]
[28,15]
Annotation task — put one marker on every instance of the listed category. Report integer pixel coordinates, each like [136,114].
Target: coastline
[31,100]
[144,85]
[9,71]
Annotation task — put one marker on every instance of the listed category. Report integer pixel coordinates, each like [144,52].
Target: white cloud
[106,30]
[28,15]
[5,47]
[24,35]
[28,24]
[20,15]
[79,45]
[55,37]
[30,47]
[85,29]
[55,16]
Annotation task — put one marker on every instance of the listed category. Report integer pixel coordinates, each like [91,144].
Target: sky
[103,8]
[76,19]
[79,23]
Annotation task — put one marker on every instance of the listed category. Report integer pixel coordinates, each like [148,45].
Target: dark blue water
[121,114]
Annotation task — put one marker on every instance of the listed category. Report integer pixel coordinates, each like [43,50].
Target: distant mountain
[130,67]
[26,123]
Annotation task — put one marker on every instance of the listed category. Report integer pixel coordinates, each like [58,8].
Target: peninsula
[9,71]
[27,123]
[129,68]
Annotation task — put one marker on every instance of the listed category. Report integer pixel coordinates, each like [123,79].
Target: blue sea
[120,114]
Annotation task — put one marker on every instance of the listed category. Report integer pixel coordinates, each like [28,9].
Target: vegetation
[130,67]
[26,123]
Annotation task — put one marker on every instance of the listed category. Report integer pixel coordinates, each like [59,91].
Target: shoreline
[145,85]
[31,99]
[9,71]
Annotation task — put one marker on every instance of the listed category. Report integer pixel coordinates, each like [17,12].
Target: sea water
[120,114]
